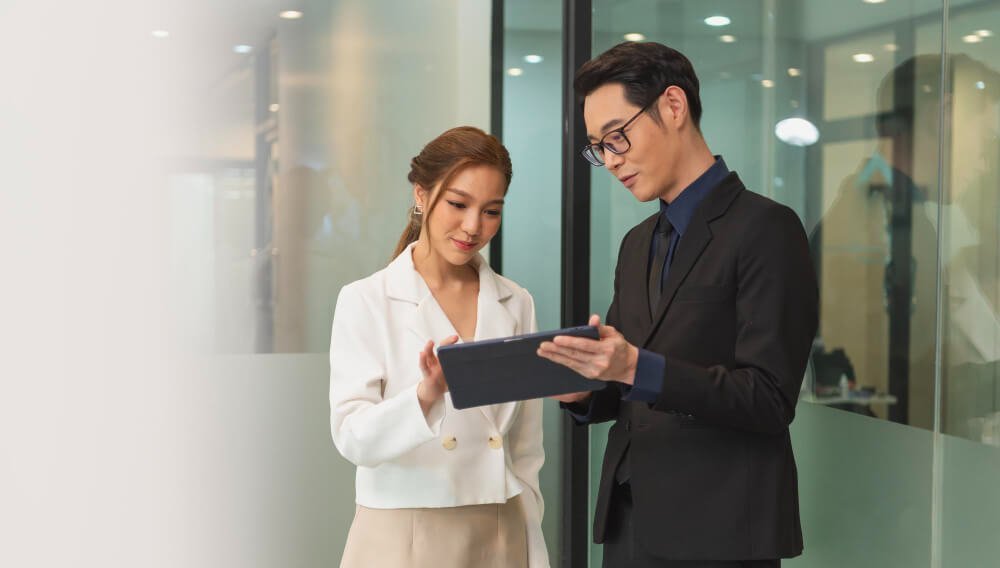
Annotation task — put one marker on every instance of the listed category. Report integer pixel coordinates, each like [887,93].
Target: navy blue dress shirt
[649,368]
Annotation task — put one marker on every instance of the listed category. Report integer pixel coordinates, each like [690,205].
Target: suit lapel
[693,243]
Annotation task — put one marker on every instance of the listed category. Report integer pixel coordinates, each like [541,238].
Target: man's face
[646,168]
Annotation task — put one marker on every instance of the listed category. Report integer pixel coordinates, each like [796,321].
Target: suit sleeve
[367,428]
[777,313]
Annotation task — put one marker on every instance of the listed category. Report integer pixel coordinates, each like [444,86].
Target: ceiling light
[273,107]
[290,14]
[796,132]
[717,21]
[515,71]
[533,58]
[242,48]
[972,38]
[727,38]
[160,34]
[794,72]
[890,47]
[634,36]
[873,1]
[863,57]
[984,33]
[980,85]
[767,83]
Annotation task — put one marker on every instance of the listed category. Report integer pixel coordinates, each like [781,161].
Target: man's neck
[691,166]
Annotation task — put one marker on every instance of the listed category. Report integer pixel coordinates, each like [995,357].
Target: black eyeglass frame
[592,152]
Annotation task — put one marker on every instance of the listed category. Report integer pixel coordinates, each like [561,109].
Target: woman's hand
[432,388]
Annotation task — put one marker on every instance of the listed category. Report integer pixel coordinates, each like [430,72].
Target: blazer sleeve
[777,305]
[367,428]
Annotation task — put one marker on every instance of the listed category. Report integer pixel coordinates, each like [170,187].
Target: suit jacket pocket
[714,293]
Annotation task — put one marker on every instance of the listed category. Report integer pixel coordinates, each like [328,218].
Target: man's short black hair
[645,69]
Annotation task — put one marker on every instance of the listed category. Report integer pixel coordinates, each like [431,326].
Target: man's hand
[609,358]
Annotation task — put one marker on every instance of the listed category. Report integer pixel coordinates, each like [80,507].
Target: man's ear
[673,106]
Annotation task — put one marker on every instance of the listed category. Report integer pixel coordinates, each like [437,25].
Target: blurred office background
[189,184]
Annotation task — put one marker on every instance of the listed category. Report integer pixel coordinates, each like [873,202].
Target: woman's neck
[437,272]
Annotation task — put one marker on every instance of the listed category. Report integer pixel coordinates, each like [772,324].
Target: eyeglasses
[615,141]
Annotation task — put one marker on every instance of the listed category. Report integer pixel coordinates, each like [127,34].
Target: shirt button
[450,442]
[496,442]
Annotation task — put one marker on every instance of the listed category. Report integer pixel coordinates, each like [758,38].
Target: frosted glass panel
[864,490]
[970,516]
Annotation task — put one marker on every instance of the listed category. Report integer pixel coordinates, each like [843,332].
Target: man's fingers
[570,362]
[595,320]
[450,340]
[578,343]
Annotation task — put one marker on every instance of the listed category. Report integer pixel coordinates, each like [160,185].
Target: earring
[418,209]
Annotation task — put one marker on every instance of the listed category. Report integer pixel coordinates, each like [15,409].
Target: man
[707,337]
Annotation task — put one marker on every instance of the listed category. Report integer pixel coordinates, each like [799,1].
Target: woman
[437,486]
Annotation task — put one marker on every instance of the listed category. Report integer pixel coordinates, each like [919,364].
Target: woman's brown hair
[441,160]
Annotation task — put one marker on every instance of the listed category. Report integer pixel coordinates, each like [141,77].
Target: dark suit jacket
[712,471]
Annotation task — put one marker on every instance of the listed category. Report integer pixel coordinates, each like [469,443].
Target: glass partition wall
[877,122]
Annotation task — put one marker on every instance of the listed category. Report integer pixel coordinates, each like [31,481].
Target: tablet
[508,369]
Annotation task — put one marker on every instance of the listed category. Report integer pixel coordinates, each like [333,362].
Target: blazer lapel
[404,284]
[693,243]
[493,319]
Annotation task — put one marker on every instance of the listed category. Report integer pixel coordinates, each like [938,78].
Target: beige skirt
[487,536]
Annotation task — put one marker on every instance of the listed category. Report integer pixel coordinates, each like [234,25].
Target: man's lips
[628,180]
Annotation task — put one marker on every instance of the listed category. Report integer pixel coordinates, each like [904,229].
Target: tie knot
[663,226]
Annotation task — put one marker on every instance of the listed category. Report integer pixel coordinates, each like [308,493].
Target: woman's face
[467,214]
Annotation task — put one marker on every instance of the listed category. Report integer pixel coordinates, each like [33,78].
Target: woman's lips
[463,246]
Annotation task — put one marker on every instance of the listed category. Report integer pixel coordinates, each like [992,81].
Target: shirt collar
[680,212]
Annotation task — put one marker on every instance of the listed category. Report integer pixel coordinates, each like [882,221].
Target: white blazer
[451,457]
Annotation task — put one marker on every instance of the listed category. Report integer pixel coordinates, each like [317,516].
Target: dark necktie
[661,245]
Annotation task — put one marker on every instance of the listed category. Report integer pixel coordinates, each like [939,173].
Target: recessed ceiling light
[972,38]
[290,14]
[980,85]
[717,21]
[863,57]
[873,1]
[634,36]
[160,34]
[794,71]
[796,132]
[984,33]
[273,107]
[890,47]
[727,38]
[533,58]
[766,83]
[515,71]
[242,48]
